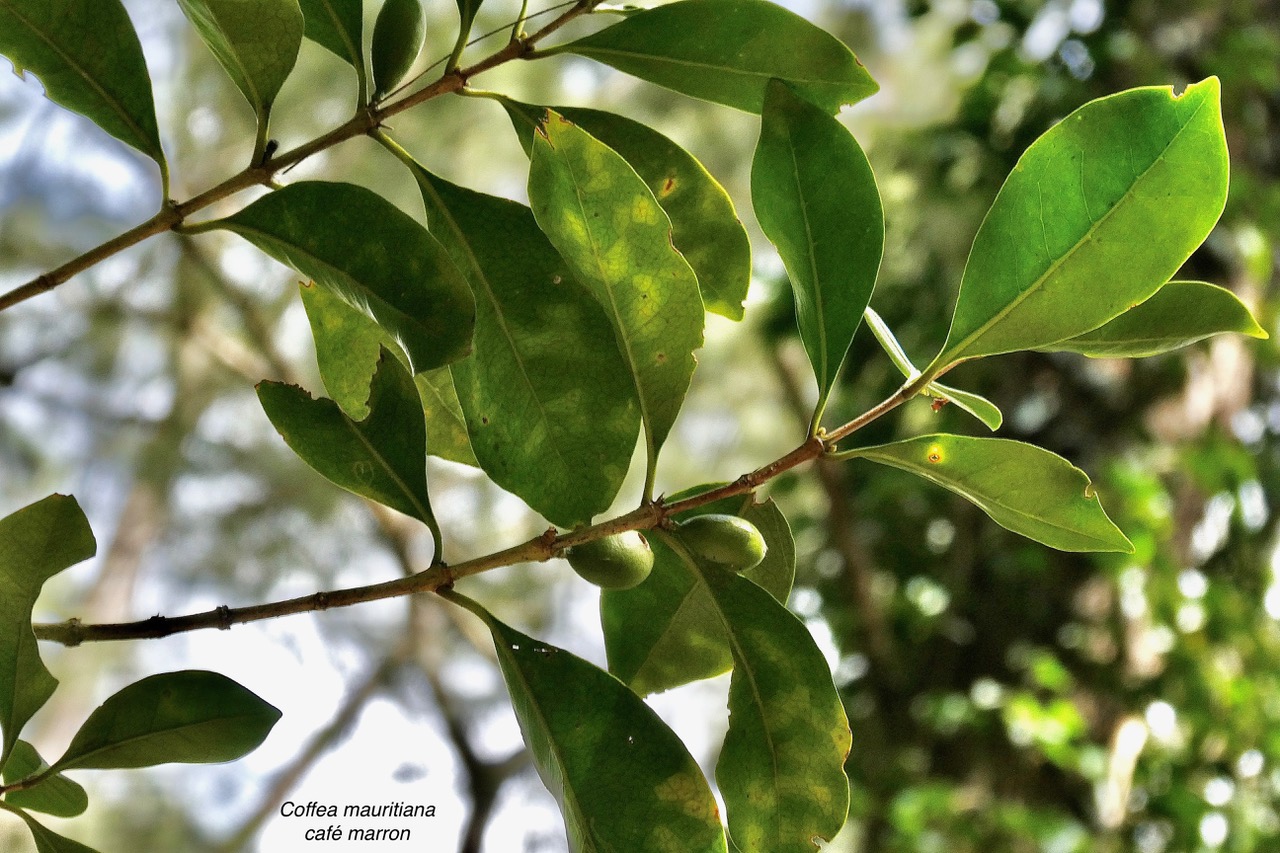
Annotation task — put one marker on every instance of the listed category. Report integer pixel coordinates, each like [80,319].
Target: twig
[538,549]
[173,214]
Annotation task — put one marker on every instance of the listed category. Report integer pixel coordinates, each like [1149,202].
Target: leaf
[446,427]
[816,200]
[382,458]
[348,345]
[256,43]
[665,632]
[1022,487]
[1180,313]
[978,406]
[704,226]
[548,404]
[1098,213]
[89,60]
[56,795]
[617,240]
[47,841]
[975,404]
[624,780]
[726,50]
[190,716]
[467,14]
[337,26]
[36,543]
[398,34]
[781,770]
[372,256]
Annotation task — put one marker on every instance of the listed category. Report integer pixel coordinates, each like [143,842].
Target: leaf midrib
[253,94]
[114,746]
[569,790]
[978,500]
[423,513]
[353,54]
[948,356]
[739,661]
[661,59]
[621,328]
[819,305]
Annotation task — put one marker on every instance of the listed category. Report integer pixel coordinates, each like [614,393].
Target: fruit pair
[624,560]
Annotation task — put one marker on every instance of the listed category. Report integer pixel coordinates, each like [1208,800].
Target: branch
[173,214]
[539,549]
[536,550]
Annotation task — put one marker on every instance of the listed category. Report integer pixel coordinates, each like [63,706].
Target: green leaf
[337,26]
[975,404]
[371,255]
[704,225]
[256,43]
[348,345]
[617,240]
[382,458]
[1098,213]
[816,200]
[1180,313]
[36,543]
[467,14]
[978,406]
[781,770]
[190,716]
[398,35]
[89,59]
[624,780]
[47,841]
[665,632]
[548,404]
[726,51]
[446,426]
[1022,487]
[56,795]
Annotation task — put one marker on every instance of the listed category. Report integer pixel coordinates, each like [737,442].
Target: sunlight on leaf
[817,201]
[616,238]
[781,770]
[1022,487]
[704,225]
[549,407]
[1098,213]
[1179,314]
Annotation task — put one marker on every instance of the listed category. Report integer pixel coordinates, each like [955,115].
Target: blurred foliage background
[1003,697]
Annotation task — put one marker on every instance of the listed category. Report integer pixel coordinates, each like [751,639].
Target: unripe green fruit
[615,562]
[726,540]
[398,35]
